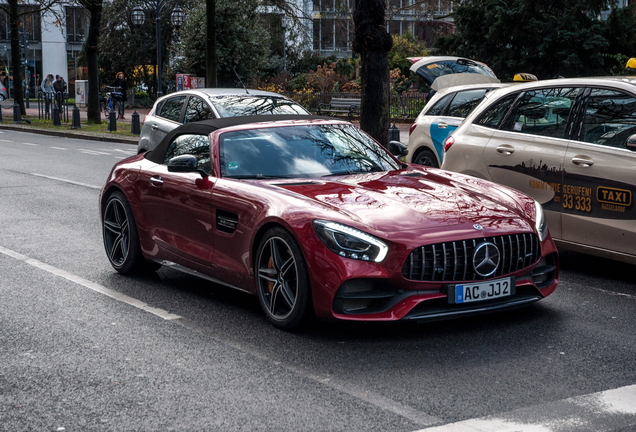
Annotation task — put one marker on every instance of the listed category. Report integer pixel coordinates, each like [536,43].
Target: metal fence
[46,102]
[404,106]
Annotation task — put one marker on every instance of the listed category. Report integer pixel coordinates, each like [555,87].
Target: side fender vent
[226,221]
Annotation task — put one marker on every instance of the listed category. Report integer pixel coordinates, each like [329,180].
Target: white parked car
[189,106]
[568,143]
[443,113]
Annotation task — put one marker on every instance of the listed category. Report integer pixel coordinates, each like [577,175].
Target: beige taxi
[570,144]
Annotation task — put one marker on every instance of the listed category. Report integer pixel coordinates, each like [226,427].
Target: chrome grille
[452,261]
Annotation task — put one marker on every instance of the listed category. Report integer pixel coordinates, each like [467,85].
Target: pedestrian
[121,83]
[47,90]
[59,86]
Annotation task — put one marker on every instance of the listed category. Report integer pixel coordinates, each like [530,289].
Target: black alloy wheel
[282,281]
[121,239]
[426,158]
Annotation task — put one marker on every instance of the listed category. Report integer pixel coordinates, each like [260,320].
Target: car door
[166,119]
[600,174]
[527,152]
[177,206]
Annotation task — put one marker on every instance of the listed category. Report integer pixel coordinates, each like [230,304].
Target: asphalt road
[83,348]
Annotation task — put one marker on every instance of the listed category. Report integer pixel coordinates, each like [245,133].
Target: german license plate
[480,291]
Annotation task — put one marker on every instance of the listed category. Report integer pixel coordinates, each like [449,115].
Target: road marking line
[597,412]
[93,152]
[327,380]
[59,148]
[612,293]
[29,144]
[9,141]
[91,285]
[67,181]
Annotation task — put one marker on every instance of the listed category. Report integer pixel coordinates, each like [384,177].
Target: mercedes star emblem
[477,227]
[486,259]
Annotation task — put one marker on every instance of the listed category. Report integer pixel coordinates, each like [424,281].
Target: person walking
[121,83]
[47,91]
[59,86]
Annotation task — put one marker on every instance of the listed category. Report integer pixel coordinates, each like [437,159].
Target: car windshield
[301,151]
[246,105]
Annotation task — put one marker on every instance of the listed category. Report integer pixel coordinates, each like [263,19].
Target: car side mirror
[398,149]
[185,164]
[631,143]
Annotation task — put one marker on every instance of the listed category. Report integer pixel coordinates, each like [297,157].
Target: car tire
[282,281]
[1,97]
[121,239]
[426,158]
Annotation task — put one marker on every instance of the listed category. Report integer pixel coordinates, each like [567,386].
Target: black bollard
[17,115]
[56,115]
[112,123]
[0,114]
[76,118]
[134,126]
[394,133]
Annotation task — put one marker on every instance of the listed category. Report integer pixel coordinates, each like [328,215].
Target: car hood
[411,200]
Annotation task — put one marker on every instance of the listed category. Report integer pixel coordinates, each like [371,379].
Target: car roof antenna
[239,78]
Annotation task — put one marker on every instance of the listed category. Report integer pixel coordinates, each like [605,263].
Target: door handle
[156,180]
[506,149]
[155,127]
[582,161]
[442,125]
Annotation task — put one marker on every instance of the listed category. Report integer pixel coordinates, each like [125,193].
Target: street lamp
[176,18]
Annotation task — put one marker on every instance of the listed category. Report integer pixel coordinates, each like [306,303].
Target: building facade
[50,48]
[332,24]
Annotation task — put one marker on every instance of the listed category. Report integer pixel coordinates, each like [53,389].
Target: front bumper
[372,292]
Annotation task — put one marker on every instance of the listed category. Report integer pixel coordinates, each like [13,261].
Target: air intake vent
[453,261]
[226,221]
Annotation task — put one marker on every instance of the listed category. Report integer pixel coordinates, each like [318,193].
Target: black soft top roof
[206,127]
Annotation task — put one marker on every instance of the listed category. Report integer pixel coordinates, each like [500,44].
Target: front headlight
[540,222]
[349,242]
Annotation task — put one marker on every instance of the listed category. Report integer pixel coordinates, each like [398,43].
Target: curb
[131,141]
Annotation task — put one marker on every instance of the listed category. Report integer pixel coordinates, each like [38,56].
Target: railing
[405,106]
[46,102]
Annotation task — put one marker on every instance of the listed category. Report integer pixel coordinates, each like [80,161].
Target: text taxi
[570,144]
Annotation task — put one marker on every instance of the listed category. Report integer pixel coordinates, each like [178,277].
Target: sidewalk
[122,124]
[32,112]
[64,130]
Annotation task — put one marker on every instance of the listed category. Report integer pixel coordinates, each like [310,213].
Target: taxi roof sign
[525,77]
[631,63]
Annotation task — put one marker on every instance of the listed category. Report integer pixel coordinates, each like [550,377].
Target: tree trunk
[373,43]
[16,61]
[94,7]
[210,45]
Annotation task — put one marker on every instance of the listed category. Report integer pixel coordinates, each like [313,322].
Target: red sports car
[316,218]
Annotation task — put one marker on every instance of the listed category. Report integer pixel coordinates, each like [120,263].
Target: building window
[341,34]
[31,23]
[76,25]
